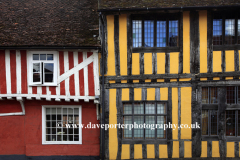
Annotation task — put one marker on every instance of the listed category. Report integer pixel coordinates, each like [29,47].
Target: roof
[123,4]
[48,23]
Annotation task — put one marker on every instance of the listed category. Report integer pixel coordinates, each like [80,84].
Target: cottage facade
[171,63]
[49,87]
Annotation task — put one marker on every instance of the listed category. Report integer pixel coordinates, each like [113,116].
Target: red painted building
[49,80]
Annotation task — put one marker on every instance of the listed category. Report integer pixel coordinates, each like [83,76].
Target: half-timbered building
[49,80]
[171,63]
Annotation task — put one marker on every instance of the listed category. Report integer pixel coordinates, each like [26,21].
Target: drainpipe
[103,96]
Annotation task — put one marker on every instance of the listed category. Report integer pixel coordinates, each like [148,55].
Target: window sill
[42,85]
[154,49]
[213,138]
[55,142]
[144,141]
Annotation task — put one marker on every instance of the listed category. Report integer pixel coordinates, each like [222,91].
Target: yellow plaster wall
[163,94]
[175,153]
[135,64]
[113,141]
[187,149]
[147,63]
[123,43]
[203,40]
[186,112]
[125,151]
[160,63]
[125,94]
[150,94]
[175,112]
[215,149]
[186,42]
[137,151]
[137,94]
[174,62]
[204,149]
[229,60]
[111,52]
[150,151]
[217,61]
[163,152]
[230,149]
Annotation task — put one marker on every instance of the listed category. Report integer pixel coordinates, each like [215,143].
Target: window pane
[149,130]
[161,33]
[36,67]
[173,33]
[205,95]
[213,95]
[161,108]
[229,31]
[238,31]
[138,108]
[36,77]
[213,115]
[217,32]
[35,56]
[138,132]
[230,123]
[238,94]
[148,33]
[42,56]
[137,33]
[161,133]
[48,72]
[238,123]
[127,108]
[204,122]
[50,57]
[231,95]
[127,132]
[150,108]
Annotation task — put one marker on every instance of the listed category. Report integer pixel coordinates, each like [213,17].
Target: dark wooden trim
[226,47]
[236,59]
[129,45]
[141,64]
[167,63]
[144,141]
[119,120]
[169,120]
[209,149]
[210,106]
[223,61]
[209,41]
[194,42]
[116,45]
[181,149]
[236,146]
[106,101]
[180,69]
[106,45]
[155,49]
[196,118]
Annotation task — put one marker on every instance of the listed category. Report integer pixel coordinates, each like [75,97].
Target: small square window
[61,125]
[209,95]
[43,67]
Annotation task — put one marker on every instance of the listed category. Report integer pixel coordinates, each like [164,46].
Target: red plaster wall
[22,135]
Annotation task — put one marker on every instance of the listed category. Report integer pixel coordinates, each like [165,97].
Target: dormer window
[43,68]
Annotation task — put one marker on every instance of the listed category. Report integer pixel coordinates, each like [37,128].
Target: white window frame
[55,69]
[44,124]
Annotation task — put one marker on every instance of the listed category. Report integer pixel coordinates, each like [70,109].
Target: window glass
[127,108]
[161,133]
[137,33]
[36,72]
[42,56]
[138,132]
[213,95]
[35,56]
[57,120]
[148,33]
[204,122]
[229,31]
[230,123]
[161,33]
[138,108]
[50,57]
[48,72]
[150,122]
[127,132]
[217,31]
[213,115]
[150,108]
[173,33]
[161,109]
[205,95]
[230,95]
